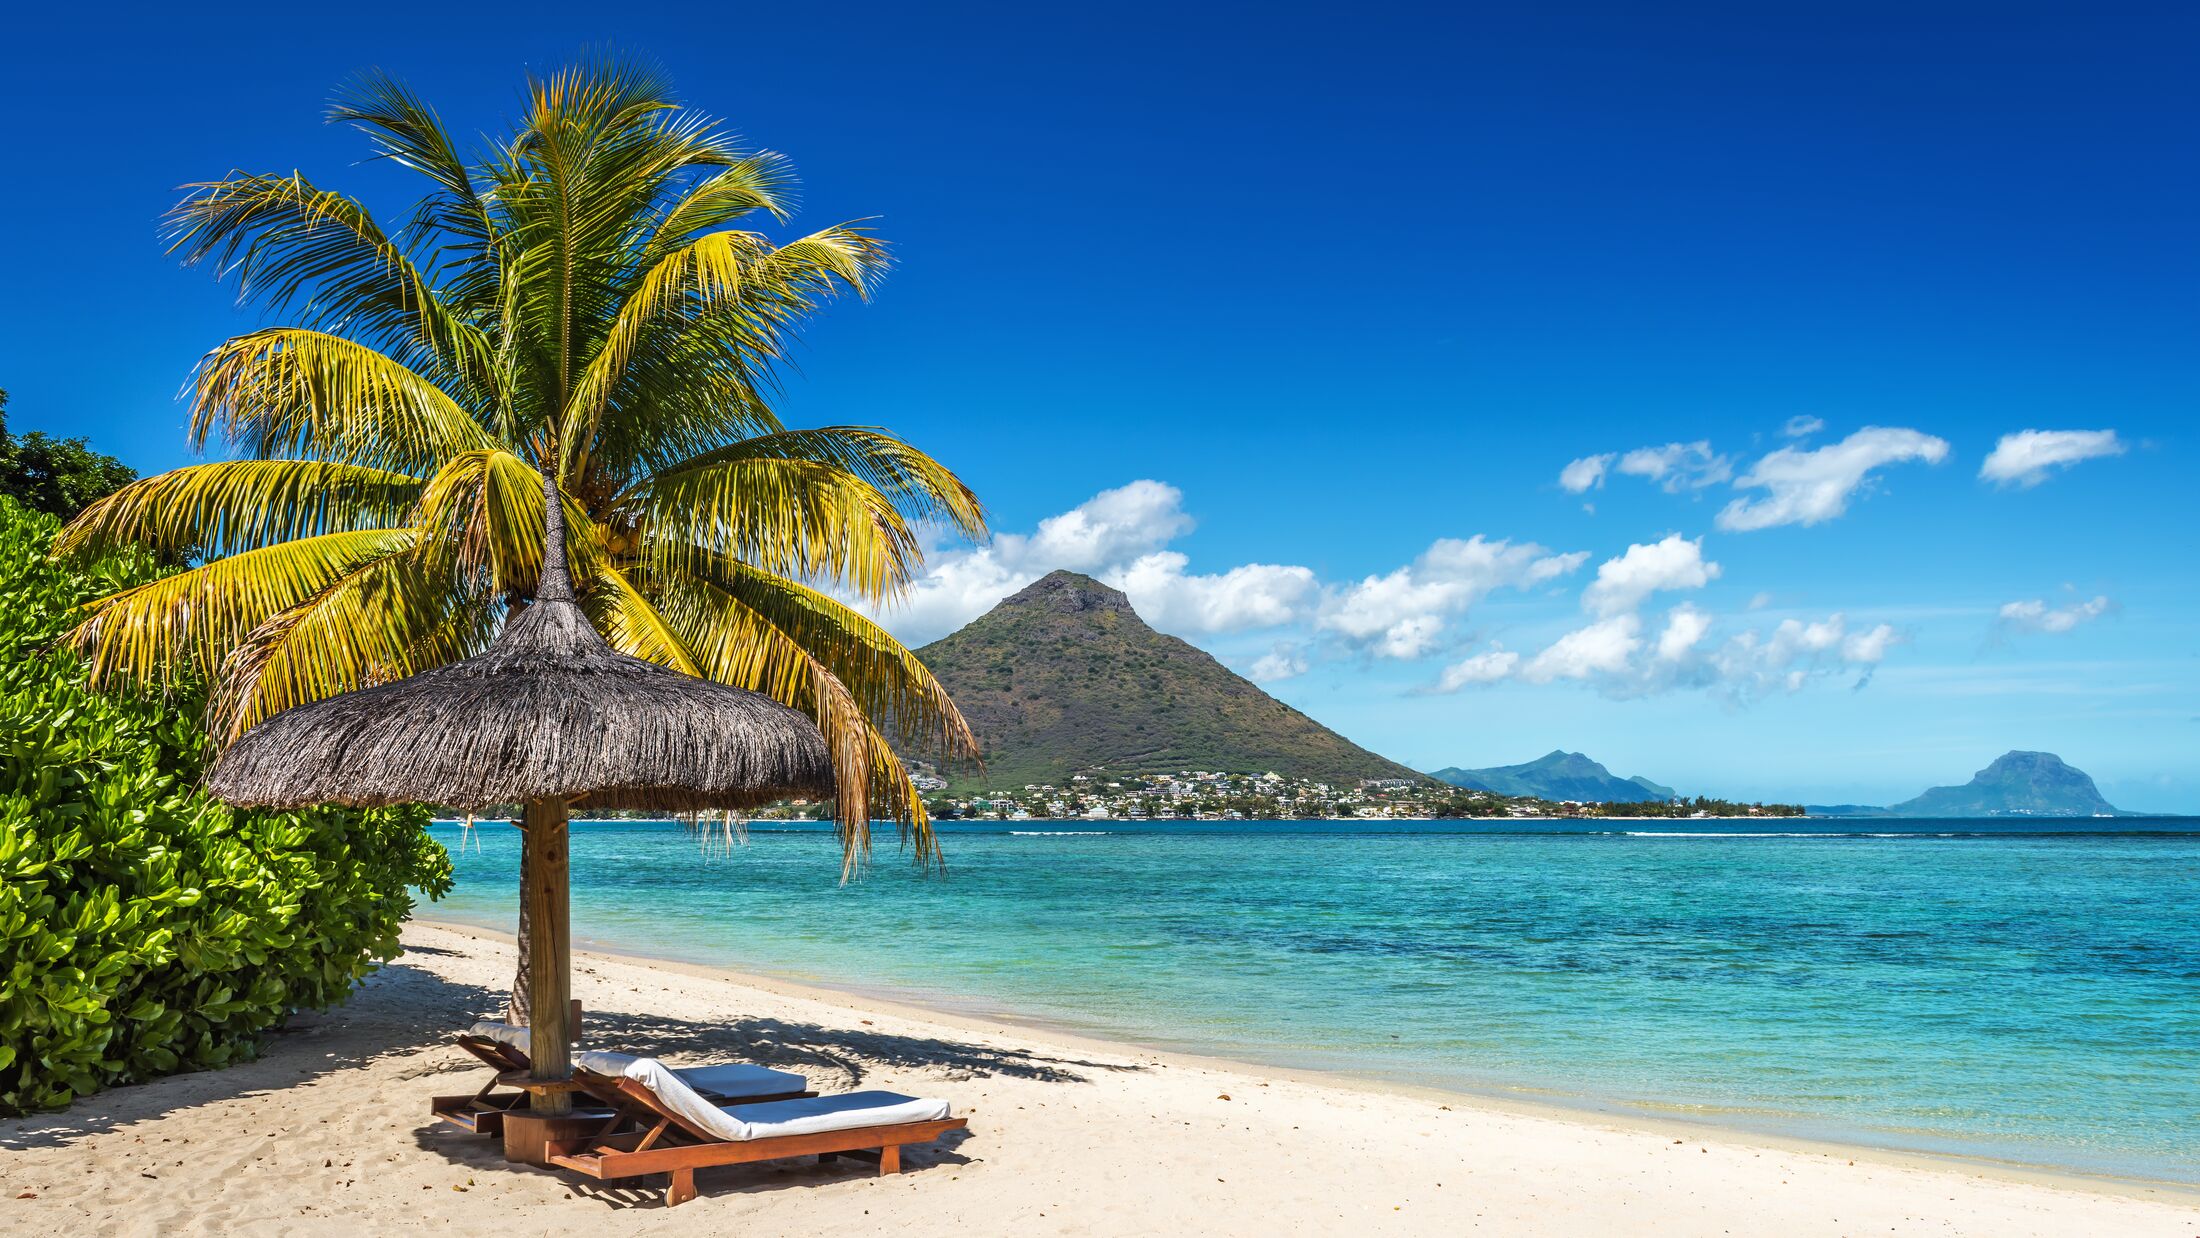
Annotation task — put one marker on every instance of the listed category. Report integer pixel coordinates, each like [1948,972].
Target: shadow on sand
[408,1012]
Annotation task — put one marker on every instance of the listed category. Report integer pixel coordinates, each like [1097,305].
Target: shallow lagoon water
[2026,991]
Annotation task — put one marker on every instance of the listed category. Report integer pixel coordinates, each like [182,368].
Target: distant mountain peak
[2018,783]
[1557,775]
[1069,592]
[1064,678]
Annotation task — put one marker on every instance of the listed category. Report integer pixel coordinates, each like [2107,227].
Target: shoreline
[1573,1110]
[328,1131]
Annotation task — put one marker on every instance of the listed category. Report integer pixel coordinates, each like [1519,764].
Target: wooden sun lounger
[483,1112]
[670,1143]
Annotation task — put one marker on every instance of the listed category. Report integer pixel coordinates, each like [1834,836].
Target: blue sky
[1270,312]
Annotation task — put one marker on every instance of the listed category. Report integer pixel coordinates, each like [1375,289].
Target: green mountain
[1065,678]
[2017,784]
[1557,775]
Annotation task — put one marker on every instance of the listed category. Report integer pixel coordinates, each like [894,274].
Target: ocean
[2026,991]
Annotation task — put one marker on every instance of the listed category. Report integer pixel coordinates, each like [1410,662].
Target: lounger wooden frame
[483,1112]
[669,1143]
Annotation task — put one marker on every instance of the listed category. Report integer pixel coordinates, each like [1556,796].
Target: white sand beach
[329,1133]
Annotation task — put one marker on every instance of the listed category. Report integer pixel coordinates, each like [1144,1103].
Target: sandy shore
[329,1133]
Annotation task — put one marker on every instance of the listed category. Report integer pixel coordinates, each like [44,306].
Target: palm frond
[889,683]
[406,131]
[229,506]
[630,624]
[735,642]
[485,507]
[918,485]
[381,621]
[195,618]
[791,517]
[290,392]
[762,181]
[283,238]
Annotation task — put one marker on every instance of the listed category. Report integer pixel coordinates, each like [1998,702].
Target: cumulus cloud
[1685,626]
[1402,614]
[1802,426]
[1116,535]
[1254,595]
[1622,583]
[1614,656]
[1784,660]
[2037,616]
[1806,487]
[1284,661]
[1676,467]
[1121,536]
[2026,457]
[1487,667]
[1584,473]
[1604,647]
[1106,528]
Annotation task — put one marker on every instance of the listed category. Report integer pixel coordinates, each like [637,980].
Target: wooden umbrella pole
[549,1029]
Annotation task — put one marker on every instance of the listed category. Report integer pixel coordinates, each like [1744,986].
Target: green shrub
[145,928]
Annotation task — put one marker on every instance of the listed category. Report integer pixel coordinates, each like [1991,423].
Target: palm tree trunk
[517,1006]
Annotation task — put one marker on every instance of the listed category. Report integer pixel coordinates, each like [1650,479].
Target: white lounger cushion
[781,1117]
[731,1079]
[811,1114]
[510,1034]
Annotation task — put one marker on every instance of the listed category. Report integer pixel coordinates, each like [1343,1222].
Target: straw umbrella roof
[549,711]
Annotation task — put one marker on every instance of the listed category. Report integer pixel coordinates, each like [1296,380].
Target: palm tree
[576,303]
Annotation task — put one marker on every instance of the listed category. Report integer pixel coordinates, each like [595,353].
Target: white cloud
[1254,595]
[1603,647]
[1684,627]
[2037,616]
[1622,583]
[1802,426]
[1120,536]
[1678,466]
[1612,656]
[1807,487]
[1281,662]
[1109,527]
[1487,667]
[1751,665]
[957,586]
[1401,614]
[1584,473]
[1116,535]
[2026,457]
[1869,646]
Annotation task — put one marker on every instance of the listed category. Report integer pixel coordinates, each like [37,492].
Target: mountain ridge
[1063,677]
[1556,775]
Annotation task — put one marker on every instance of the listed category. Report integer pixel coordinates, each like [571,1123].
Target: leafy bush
[145,928]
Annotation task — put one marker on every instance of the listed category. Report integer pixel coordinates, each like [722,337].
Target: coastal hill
[1557,775]
[1064,678]
[2019,784]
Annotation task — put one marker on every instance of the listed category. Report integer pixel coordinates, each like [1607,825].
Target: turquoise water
[2027,992]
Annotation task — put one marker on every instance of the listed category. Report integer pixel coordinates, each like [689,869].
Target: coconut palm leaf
[292,393]
[235,505]
[378,622]
[195,618]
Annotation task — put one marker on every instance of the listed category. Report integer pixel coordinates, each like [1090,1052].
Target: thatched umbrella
[548,717]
